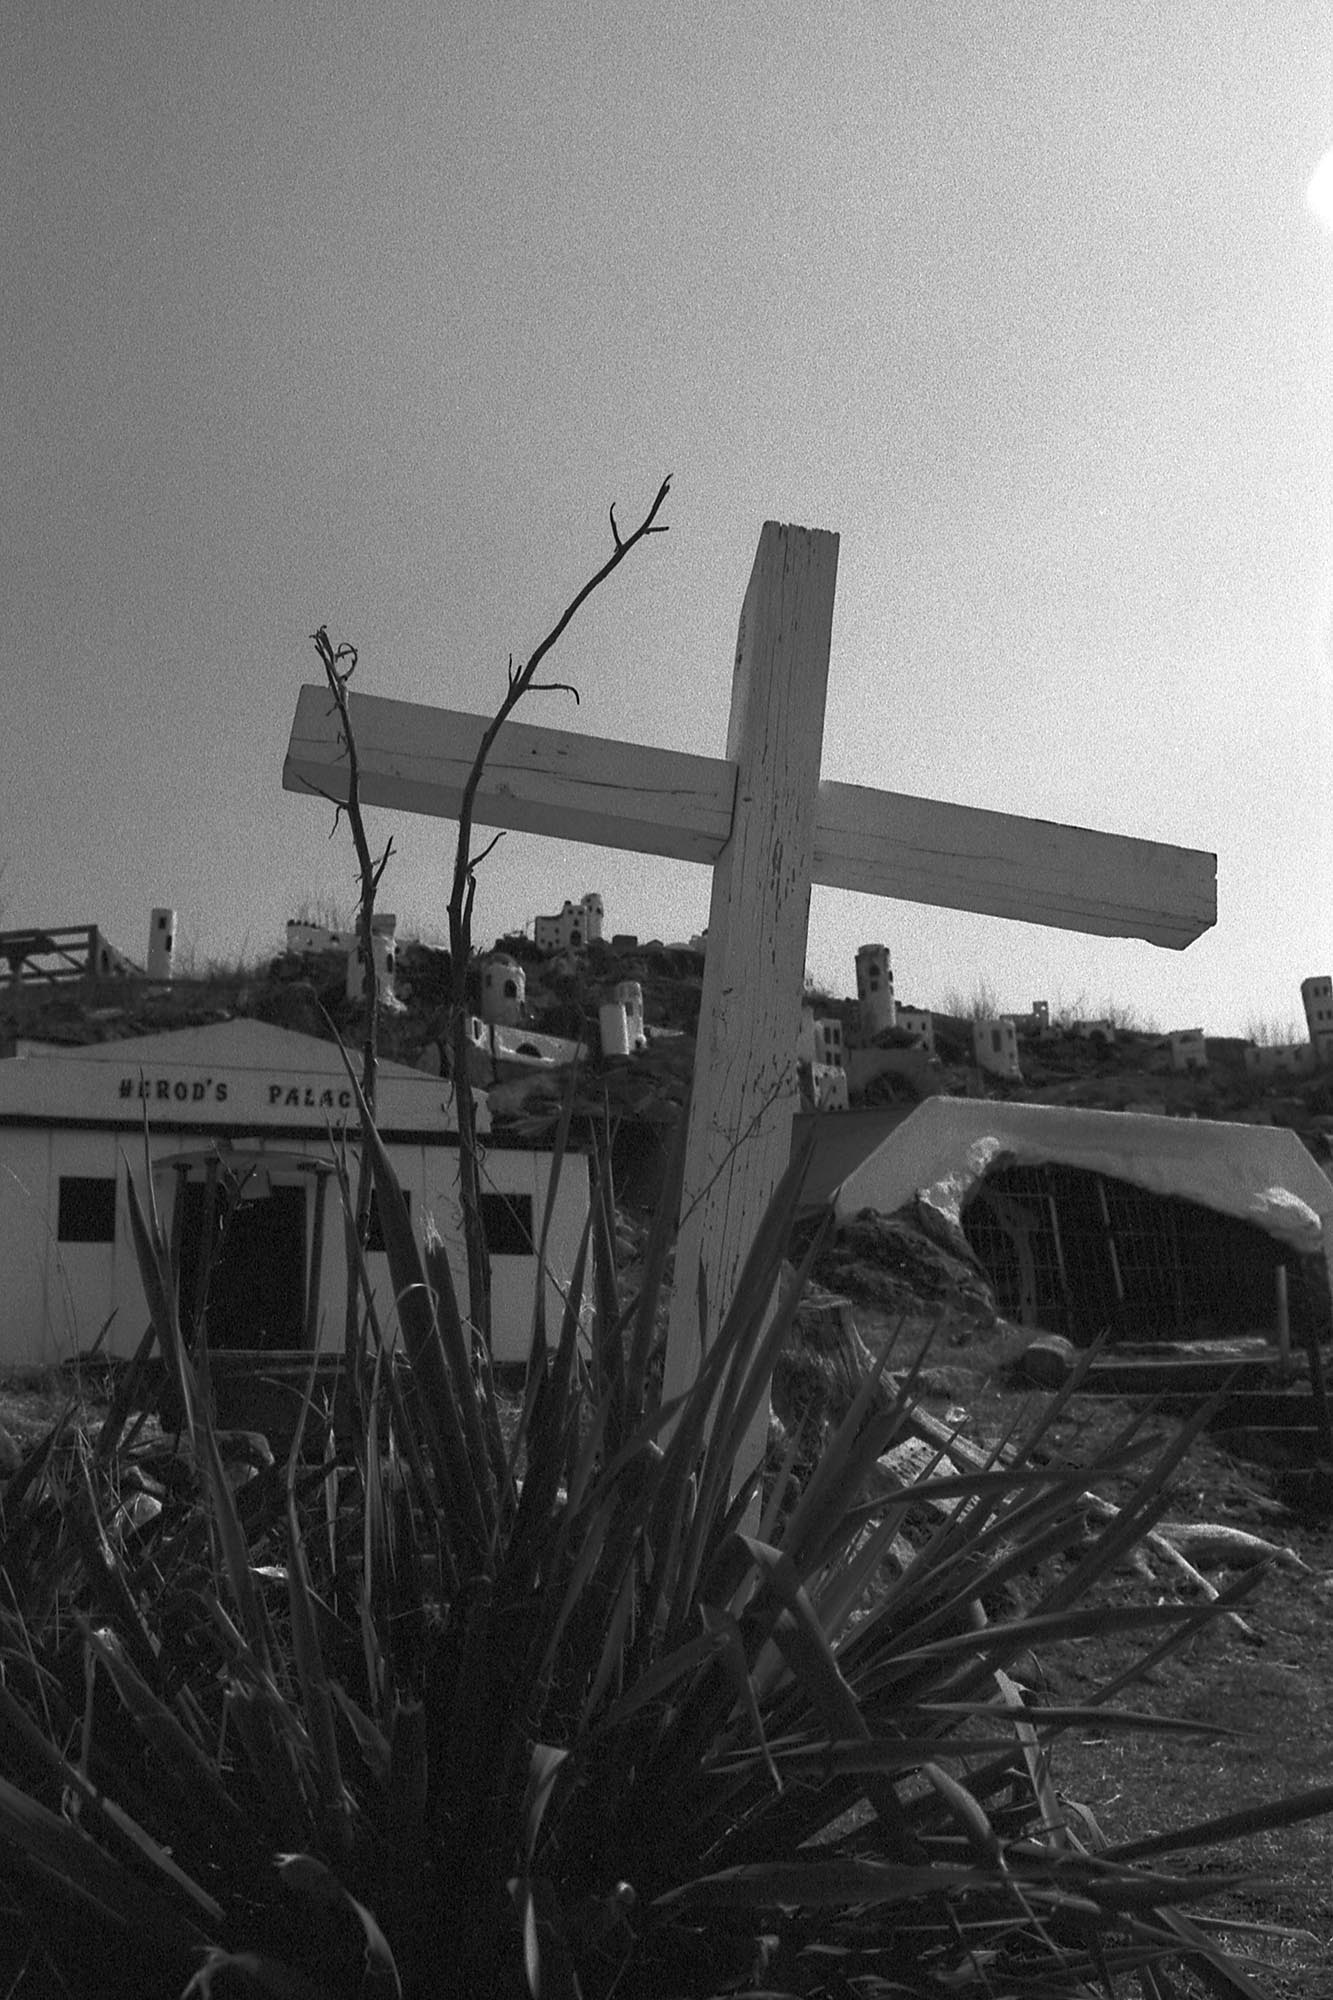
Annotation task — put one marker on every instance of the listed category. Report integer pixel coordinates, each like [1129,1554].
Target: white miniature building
[303,938]
[1095,1031]
[829,1048]
[504,988]
[1317,1000]
[621,1021]
[1280,1059]
[576,925]
[820,1046]
[829,1083]
[249,1106]
[995,1047]
[613,1025]
[874,990]
[386,960]
[1187,1049]
[1040,1016]
[162,944]
[919,1023]
[629,995]
[821,1040]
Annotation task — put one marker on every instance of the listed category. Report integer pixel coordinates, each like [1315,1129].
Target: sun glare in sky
[1319,194]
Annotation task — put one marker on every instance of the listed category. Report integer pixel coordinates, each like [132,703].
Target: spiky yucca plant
[550,1707]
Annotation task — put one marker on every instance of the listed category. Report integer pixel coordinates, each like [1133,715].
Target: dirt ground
[1272,1686]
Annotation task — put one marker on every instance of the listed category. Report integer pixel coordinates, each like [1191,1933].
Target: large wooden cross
[769,826]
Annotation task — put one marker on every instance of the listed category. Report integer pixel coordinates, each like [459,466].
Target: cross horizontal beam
[668,802]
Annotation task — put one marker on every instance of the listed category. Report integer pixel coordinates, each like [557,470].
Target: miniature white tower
[621,1021]
[503,990]
[590,917]
[162,945]
[629,995]
[874,990]
[1317,999]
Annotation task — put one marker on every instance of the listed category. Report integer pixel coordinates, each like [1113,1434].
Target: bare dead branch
[332,657]
[519,681]
[318,792]
[489,848]
[339,664]
[382,863]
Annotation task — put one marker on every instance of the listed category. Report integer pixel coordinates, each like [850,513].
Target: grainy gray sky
[363,315]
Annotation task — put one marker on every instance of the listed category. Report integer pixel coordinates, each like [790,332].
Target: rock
[11,1458]
[891,1261]
[1048,1360]
[942,1383]
[524,1095]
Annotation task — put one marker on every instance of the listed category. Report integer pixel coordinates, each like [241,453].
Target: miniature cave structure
[1081,1253]
[1087,1221]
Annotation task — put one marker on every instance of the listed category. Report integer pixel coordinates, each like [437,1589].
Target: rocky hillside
[1132,1071]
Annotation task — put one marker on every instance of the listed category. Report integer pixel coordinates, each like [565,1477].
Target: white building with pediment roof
[241,1117]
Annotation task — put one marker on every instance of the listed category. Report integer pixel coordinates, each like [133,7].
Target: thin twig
[518,682]
[339,663]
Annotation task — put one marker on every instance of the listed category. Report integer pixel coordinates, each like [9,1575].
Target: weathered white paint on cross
[770,828]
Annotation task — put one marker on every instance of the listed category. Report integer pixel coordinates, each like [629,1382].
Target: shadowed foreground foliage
[545,1708]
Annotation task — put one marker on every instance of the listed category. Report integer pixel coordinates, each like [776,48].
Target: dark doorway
[256,1284]
[1081,1253]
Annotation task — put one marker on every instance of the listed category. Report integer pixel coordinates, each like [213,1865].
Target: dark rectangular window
[87,1212]
[375,1240]
[507,1220]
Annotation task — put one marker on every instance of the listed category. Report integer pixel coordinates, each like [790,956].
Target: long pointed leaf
[81,1869]
[422,1335]
[798,1635]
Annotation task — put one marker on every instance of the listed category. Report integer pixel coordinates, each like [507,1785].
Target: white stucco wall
[80,1113]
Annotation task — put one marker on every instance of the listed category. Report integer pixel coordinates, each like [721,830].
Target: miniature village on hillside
[1156,1182]
[573,997]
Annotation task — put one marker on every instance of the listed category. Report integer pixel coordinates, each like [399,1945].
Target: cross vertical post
[744,1090]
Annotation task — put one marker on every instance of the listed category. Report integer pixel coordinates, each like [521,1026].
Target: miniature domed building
[503,990]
